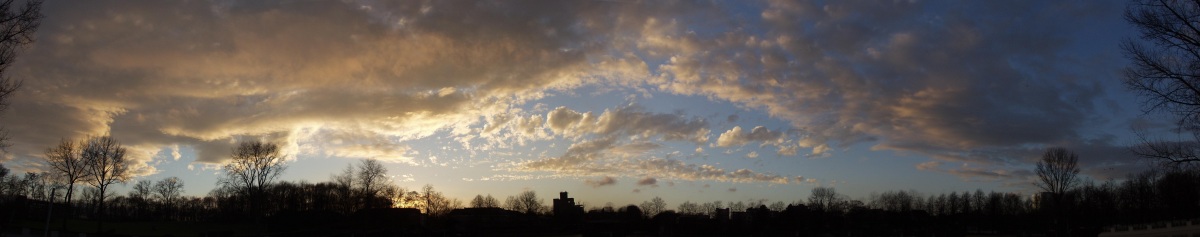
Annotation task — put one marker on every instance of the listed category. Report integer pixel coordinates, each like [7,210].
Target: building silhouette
[722,214]
[566,212]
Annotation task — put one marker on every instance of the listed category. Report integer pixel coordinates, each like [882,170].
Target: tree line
[249,190]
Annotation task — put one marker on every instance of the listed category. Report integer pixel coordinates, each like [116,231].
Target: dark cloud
[648,181]
[605,181]
[899,76]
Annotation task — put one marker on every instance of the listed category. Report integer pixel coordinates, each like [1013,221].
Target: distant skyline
[612,101]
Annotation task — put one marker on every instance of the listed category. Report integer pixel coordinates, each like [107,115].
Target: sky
[614,101]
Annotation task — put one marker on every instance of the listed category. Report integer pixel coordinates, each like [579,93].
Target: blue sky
[614,101]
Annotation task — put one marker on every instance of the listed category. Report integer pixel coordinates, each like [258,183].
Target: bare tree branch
[16,30]
[254,166]
[1166,72]
[105,164]
[1058,171]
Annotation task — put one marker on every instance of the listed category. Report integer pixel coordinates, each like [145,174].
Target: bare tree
[896,201]
[372,180]
[526,202]
[17,26]
[711,207]
[653,207]
[688,207]
[737,206]
[778,206]
[825,198]
[28,185]
[344,189]
[139,197]
[66,163]
[481,201]
[489,201]
[168,190]
[436,204]
[254,166]
[404,198]
[142,190]
[1057,171]
[3,182]
[477,202]
[1170,154]
[43,186]
[105,164]
[1164,72]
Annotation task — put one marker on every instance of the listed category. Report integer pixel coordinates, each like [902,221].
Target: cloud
[382,152]
[737,137]
[846,73]
[590,158]
[628,120]
[198,74]
[803,180]
[752,155]
[605,181]
[951,85]
[931,165]
[635,148]
[577,159]
[563,118]
[981,174]
[821,150]
[785,144]
[648,181]
[619,141]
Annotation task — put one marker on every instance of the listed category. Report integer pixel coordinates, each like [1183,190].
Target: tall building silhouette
[565,208]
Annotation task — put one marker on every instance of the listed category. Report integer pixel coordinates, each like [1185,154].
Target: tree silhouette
[437,204]
[254,166]
[105,164]
[1164,72]
[372,181]
[142,189]
[825,199]
[689,208]
[526,202]
[1057,171]
[653,207]
[168,190]
[65,162]
[17,26]
[139,197]
[481,202]
[344,188]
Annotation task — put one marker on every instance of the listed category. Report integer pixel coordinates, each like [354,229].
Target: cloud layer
[957,82]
